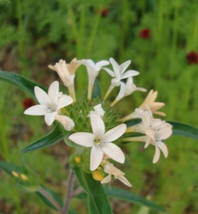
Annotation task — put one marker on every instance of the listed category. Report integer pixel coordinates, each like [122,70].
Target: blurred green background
[161,39]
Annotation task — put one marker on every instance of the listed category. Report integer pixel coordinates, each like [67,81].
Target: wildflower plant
[95,130]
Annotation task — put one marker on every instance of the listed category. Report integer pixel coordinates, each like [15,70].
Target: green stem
[74,29]
[16,199]
[124,27]
[81,33]
[93,32]
[175,33]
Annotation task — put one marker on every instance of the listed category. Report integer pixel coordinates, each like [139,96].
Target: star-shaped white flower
[100,141]
[127,89]
[111,170]
[155,130]
[119,73]
[49,103]
[93,70]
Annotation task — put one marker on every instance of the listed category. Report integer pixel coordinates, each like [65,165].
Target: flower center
[98,142]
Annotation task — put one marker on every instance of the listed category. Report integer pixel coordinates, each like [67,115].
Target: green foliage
[97,199]
[131,197]
[184,130]
[20,81]
[55,136]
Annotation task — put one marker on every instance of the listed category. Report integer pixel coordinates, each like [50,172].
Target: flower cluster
[93,123]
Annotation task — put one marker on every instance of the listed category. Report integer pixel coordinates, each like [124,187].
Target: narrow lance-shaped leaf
[184,130]
[9,168]
[55,136]
[23,181]
[131,197]
[20,81]
[125,195]
[133,122]
[97,200]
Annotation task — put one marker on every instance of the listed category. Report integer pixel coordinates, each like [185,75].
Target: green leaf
[55,196]
[184,130]
[96,90]
[9,168]
[131,197]
[17,173]
[133,122]
[97,200]
[20,81]
[55,136]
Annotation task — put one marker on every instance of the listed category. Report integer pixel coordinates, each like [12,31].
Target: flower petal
[102,63]
[114,152]
[49,118]
[125,181]
[130,73]
[122,91]
[165,132]
[42,96]
[163,148]
[97,124]
[36,110]
[96,157]
[125,65]
[156,155]
[110,72]
[53,91]
[115,133]
[106,180]
[82,138]
[116,67]
[64,100]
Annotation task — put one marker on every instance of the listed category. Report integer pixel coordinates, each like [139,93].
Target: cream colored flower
[111,170]
[66,73]
[149,103]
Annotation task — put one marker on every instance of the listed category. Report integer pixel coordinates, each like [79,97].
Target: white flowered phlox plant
[96,130]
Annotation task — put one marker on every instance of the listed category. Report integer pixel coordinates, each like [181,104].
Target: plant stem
[93,33]
[69,196]
[51,199]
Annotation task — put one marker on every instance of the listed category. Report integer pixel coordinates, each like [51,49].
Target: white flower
[100,141]
[99,110]
[118,73]
[155,131]
[111,170]
[49,104]
[67,73]
[127,89]
[93,70]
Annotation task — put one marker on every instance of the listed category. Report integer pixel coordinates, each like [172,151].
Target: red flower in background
[145,33]
[104,12]
[28,103]
[192,57]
